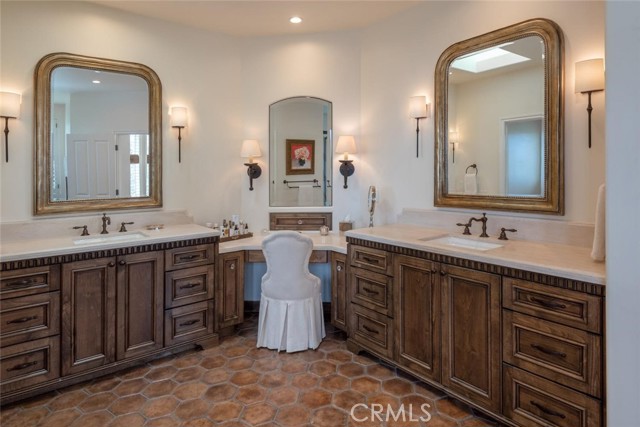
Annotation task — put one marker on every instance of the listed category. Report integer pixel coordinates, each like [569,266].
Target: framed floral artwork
[300,156]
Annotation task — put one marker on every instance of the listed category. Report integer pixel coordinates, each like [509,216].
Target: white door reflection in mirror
[524,157]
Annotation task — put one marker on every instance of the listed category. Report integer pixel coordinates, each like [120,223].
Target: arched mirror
[300,153]
[499,121]
[98,135]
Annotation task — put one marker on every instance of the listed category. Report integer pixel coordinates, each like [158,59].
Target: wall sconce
[346,144]
[251,149]
[9,109]
[179,121]
[590,78]
[453,140]
[418,109]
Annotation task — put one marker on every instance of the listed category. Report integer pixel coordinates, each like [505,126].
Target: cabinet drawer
[372,330]
[191,256]
[30,363]
[317,257]
[564,306]
[532,402]
[372,259]
[299,221]
[27,318]
[188,322]
[189,285]
[566,355]
[371,290]
[29,281]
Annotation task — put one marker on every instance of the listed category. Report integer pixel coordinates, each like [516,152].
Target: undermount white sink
[109,238]
[461,242]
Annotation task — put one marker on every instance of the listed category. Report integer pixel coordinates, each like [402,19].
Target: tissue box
[345,226]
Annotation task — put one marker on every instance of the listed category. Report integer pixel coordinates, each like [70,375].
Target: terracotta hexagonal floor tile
[245,378]
[315,398]
[99,418]
[261,353]
[213,362]
[340,356]
[427,390]
[192,409]
[384,399]
[251,394]
[160,407]
[311,355]
[380,372]
[335,383]
[419,403]
[190,390]
[305,381]
[397,386]
[439,421]
[365,385]
[329,417]
[186,360]
[294,366]
[26,418]
[198,422]
[135,372]
[97,402]
[294,415]
[225,411]
[188,374]
[350,369]
[453,408]
[258,413]
[103,384]
[216,376]
[161,373]
[160,388]
[362,416]
[220,392]
[323,367]
[267,364]
[365,359]
[128,387]
[282,395]
[235,351]
[348,399]
[67,400]
[274,379]
[127,404]
[129,420]
[240,363]
[478,422]
[57,419]
[163,422]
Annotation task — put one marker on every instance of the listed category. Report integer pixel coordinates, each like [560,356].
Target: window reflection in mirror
[100,135]
[300,153]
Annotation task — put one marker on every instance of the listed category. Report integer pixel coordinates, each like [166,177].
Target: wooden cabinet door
[88,314]
[339,290]
[230,294]
[140,296]
[471,344]
[417,315]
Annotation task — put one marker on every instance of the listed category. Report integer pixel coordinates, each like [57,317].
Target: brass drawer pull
[368,329]
[21,366]
[23,284]
[189,322]
[549,351]
[189,285]
[371,291]
[548,304]
[188,257]
[547,410]
[22,320]
[371,260]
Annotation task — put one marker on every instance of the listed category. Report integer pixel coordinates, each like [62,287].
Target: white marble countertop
[571,262]
[332,242]
[37,248]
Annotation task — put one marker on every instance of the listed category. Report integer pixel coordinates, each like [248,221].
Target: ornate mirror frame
[43,203]
[552,201]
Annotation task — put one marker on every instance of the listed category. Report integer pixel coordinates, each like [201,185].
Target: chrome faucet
[106,220]
[483,220]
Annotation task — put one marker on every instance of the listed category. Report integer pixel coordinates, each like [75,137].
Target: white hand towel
[305,194]
[470,183]
[598,252]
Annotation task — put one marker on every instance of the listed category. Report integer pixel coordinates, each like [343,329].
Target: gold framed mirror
[499,121]
[98,133]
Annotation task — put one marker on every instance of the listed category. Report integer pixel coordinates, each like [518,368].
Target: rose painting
[300,157]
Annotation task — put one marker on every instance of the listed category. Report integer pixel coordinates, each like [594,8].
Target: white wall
[623,206]
[198,69]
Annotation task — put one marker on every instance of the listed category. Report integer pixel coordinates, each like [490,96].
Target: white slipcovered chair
[291,315]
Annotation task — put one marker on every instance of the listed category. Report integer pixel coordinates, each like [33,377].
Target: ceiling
[264,17]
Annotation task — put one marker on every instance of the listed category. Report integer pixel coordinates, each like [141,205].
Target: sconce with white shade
[179,121]
[418,109]
[250,149]
[346,144]
[453,140]
[590,78]
[9,109]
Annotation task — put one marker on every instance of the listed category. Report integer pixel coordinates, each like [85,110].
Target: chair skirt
[291,325]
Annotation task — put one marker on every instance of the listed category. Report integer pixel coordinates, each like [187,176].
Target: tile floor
[236,384]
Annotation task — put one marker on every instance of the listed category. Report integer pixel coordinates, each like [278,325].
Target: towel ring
[471,166]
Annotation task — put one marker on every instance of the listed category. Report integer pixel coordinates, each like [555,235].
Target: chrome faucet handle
[503,234]
[123,229]
[85,232]
[466,228]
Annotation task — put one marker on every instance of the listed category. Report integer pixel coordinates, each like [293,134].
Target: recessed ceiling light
[295,20]
[96,81]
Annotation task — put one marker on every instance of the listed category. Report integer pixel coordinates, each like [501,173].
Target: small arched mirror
[300,153]
[98,135]
[499,121]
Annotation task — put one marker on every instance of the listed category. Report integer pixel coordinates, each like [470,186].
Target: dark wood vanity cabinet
[339,290]
[230,298]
